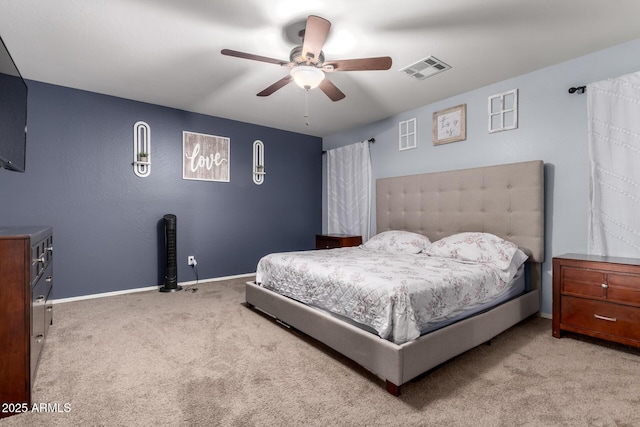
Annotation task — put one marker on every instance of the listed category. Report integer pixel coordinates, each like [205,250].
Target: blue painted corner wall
[107,222]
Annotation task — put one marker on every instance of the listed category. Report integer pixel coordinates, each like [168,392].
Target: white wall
[552,127]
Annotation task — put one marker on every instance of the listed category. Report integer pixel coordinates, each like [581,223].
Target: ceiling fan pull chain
[306,106]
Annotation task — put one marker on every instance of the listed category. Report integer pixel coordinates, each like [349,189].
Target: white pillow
[398,241]
[478,247]
[518,259]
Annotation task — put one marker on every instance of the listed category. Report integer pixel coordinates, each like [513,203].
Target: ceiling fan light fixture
[306,76]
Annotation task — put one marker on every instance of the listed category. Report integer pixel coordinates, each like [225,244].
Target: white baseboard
[183,284]
[148,288]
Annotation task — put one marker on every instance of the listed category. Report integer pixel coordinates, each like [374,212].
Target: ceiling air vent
[426,67]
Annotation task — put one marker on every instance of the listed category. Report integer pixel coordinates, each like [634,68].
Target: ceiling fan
[308,65]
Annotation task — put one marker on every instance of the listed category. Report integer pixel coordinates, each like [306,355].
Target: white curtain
[349,190]
[613,107]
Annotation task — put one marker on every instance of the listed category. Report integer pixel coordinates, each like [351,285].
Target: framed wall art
[205,157]
[450,125]
[407,134]
[503,111]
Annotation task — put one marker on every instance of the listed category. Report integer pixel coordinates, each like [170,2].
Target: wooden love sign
[205,157]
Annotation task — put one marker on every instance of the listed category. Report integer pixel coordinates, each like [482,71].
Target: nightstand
[329,241]
[597,296]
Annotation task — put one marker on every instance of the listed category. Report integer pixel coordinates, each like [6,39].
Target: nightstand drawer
[330,241]
[623,288]
[581,282]
[607,318]
[612,287]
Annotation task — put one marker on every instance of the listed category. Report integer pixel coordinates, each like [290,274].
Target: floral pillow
[479,247]
[398,241]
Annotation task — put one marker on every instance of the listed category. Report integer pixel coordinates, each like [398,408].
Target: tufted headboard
[505,200]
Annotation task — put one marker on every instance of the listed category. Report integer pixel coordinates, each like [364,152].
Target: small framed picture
[450,125]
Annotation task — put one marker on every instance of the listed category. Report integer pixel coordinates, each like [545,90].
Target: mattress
[398,296]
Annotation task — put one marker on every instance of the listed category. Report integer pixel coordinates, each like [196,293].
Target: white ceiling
[167,52]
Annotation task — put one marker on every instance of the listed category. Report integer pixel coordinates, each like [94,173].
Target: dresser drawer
[43,286]
[48,314]
[39,298]
[611,319]
[41,257]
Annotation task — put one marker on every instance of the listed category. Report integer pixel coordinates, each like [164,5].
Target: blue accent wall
[108,228]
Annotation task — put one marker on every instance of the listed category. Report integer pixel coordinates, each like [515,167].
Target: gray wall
[552,128]
[108,222]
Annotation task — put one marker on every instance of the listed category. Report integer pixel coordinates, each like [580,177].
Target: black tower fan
[171,266]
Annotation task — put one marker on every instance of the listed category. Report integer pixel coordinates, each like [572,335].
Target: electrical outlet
[191,260]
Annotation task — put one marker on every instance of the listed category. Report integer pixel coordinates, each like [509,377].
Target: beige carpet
[202,358]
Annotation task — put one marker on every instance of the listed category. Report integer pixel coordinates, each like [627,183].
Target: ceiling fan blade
[315,34]
[253,57]
[277,85]
[362,64]
[331,90]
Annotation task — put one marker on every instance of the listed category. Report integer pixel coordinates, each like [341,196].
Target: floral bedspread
[396,294]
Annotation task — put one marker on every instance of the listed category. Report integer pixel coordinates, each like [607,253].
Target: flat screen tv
[13,114]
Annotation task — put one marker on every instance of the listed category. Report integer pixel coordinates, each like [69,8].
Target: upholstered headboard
[506,200]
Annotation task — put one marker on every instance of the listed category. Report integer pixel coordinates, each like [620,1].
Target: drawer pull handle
[49,279]
[608,319]
[40,298]
[604,285]
[39,338]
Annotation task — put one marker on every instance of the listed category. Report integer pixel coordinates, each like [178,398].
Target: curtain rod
[370,141]
[579,89]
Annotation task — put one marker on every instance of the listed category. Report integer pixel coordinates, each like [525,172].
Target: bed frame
[506,200]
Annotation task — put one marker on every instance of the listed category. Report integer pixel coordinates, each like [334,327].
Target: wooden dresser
[597,296]
[330,241]
[26,280]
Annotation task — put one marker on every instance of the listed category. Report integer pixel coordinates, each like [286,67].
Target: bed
[504,200]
